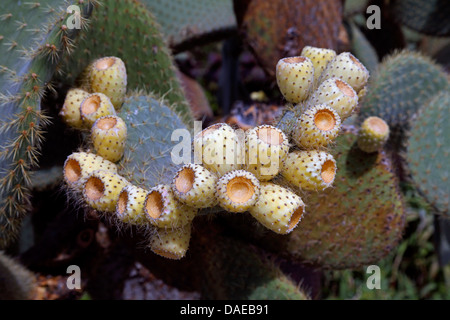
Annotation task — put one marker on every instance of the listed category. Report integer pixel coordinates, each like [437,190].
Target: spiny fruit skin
[427,152]
[195,186]
[319,57]
[348,68]
[108,75]
[219,148]
[338,95]
[70,111]
[316,127]
[79,165]
[373,134]
[266,147]
[130,205]
[163,210]
[295,78]
[237,190]
[278,208]
[109,135]
[94,106]
[101,190]
[309,169]
[171,243]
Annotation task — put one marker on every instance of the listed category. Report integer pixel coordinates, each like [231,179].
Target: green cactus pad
[428,149]
[34,37]
[235,270]
[128,30]
[147,156]
[401,85]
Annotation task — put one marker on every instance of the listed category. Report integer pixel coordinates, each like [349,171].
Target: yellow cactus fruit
[171,243]
[79,165]
[94,106]
[219,148]
[338,95]
[319,57]
[278,208]
[195,186]
[348,68]
[295,78]
[108,135]
[237,190]
[266,147]
[108,75]
[70,111]
[101,190]
[309,170]
[316,127]
[163,210]
[130,205]
[373,134]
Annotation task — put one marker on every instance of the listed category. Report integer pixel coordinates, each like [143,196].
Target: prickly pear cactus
[427,151]
[34,37]
[128,30]
[400,86]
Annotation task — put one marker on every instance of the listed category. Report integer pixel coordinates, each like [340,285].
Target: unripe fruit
[309,170]
[195,186]
[108,75]
[219,148]
[130,205]
[338,95]
[278,208]
[316,127]
[237,190]
[109,134]
[94,106]
[266,148]
[319,57]
[79,165]
[347,68]
[163,210]
[295,78]
[373,134]
[70,111]
[102,188]
[171,243]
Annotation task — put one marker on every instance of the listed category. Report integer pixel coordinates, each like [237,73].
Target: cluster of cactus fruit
[261,171]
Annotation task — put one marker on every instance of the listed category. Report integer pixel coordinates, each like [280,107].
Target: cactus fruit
[373,134]
[171,243]
[316,127]
[130,205]
[219,148]
[403,82]
[295,78]
[108,135]
[108,75]
[101,190]
[309,169]
[346,67]
[266,147]
[319,57]
[338,95]
[427,151]
[16,282]
[94,106]
[278,208]
[163,209]
[237,190]
[34,39]
[70,111]
[195,186]
[79,165]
